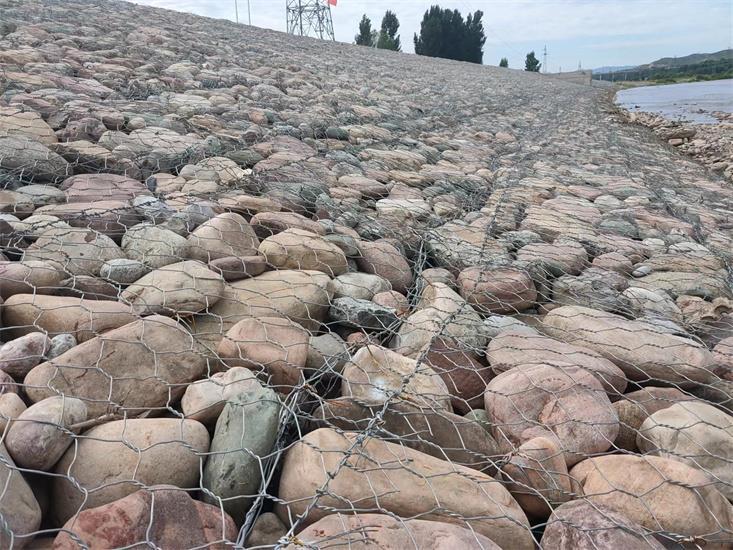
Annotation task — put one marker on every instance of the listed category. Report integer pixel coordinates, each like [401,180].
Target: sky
[593,33]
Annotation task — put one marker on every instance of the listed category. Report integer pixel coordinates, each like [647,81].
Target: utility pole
[544,58]
[249,15]
[236,12]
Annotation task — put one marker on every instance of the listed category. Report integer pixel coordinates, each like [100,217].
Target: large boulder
[29,277]
[113,460]
[42,433]
[183,288]
[19,356]
[378,374]
[513,348]
[275,346]
[643,351]
[414,485]
[380,531]
[383,259]
[302,296]
[440,312]
[77,251]
[141,365]
[300,249]
[111,218]
[154,246]
[245,434]
[432,431]
[660,494]
[102,187]
[552,400]
[227,234]
[695,433]
[36,161]
[584,525]
[164,516]
[497,290]
[26,313]
[19,509]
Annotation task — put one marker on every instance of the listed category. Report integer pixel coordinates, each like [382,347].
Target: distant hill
[692,59]
[693,67]
[612,69]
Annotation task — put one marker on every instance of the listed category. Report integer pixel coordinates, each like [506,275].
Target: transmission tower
[309,18]
[544,59]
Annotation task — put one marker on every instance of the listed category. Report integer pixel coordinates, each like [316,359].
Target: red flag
[332,2]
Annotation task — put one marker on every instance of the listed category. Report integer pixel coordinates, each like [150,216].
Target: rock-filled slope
[264,290]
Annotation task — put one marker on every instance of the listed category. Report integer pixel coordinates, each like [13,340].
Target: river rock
[652,354]
[273,345]
[117,457]
[29,277]
[227,234]
[530,400]
[695,433]
[182,288]
[300,249]
[497,291]
[39,163]
[245,434]
[386,532]
[164,516]
[383,259]
[361,286]
[435,432]
[19,508]
[581,525]
[512,348]
[11,407]
[123,271]
[19,356]
[659,494]
[378,374]
[235,268]
[25,313]
[144,364]
[361,314]
[77,251]
[154,246]
[39,436]
[204,400]
[457,492]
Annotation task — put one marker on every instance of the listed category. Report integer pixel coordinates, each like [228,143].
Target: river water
[691,102]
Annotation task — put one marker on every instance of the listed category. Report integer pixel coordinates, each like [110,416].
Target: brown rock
[659,494]
[497,290]
[437,433]
[182,288]
[164,516]
[102,187]
[227,234]
[377,374]
[512,348]
[118,457]
[462,372]
[538,477]
[77,251]
[19,509]
[235,268]
[111,218]
[29,277]
[25,313]
[274,345]
[144,364]
[386,477]
[266,531]
[19,356]
[385,260]
[530,400]
[266,224]
[300,249]
[582,525]
[635,407]
[393,299]
[11,406]
[380,531]
[205,399]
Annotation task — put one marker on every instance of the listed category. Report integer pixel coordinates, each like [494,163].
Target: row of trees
[443,33]
[385,39]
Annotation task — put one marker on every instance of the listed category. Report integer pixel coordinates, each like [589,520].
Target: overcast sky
[593,32]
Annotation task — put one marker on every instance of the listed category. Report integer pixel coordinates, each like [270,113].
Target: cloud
[598,32]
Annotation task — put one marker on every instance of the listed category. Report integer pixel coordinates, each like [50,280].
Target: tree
[388,37]
[532,64]
[366,34]
[504,62]
[444,33]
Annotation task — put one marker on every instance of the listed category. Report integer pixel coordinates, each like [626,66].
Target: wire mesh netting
[263,291]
